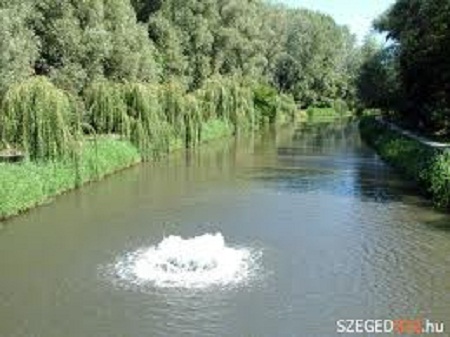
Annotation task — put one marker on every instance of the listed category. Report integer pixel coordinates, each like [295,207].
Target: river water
[279,234]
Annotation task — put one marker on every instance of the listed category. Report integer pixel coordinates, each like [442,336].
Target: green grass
[314,112]
[215,129]
[427,166]
[31,183]
[318,115]
[339,109]
[26,185]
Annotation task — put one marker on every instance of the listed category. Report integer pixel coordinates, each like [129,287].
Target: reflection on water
[341,235]
[330,158]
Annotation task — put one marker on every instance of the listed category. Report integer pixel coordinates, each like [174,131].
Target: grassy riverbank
[327,114]
[30,184]
[428,166]
[69,140]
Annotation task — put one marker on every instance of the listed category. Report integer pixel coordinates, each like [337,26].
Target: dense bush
[18,46]
[428,166]
[76,43]
[271,107]
[410,75]
[341,107]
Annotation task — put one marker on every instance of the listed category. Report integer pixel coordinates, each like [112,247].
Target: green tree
[422,32]
[18,44]
[82,41]
[145,8]
[317,64]
[377,84]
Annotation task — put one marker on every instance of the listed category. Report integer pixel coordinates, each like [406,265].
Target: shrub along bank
[427,165]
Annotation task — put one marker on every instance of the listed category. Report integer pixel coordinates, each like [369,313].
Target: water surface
[340,235]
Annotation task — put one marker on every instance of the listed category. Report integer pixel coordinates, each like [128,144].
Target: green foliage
[149,129]
[18,46]
[157,74]
[377,83]
[38,119]
[104,157]
[315,112]
[272,108]
[287,108]
[192,120]
[109,55]
[83,41]
[215,129]
[149,116]
[30,184]
[318,63]
[229,99]
[439,179]
[341,107]
[106,108]
[154,117]
[266,103]
[420,29]
[429,167]
[144,8]
[301,52]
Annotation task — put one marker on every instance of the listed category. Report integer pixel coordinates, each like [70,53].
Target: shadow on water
[330,158]
[439,222]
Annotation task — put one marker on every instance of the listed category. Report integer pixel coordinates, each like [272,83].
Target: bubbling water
[198,262]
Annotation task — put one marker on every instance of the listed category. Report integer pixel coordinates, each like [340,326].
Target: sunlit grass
[29,184]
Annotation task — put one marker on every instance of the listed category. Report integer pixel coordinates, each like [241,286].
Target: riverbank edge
[423,161]
[28,185]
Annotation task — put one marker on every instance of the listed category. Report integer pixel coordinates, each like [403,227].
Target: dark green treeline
[160,72]
[409,77]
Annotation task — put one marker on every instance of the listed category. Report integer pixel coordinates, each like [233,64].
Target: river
[316,227]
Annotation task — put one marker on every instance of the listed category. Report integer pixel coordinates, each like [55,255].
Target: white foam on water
[198,262]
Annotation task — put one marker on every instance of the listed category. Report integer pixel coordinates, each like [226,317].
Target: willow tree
[39,119]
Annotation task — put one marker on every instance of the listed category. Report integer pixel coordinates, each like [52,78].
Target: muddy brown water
[341,236]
